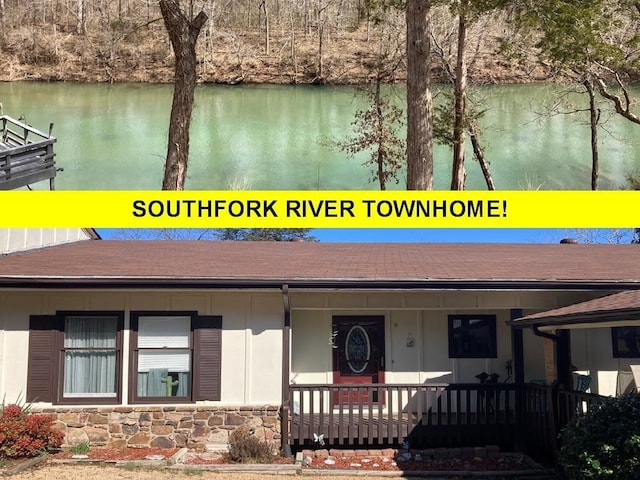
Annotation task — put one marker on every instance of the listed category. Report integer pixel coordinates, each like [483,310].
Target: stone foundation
[193,427]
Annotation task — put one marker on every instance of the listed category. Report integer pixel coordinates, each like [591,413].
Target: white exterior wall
[423,318]
[592,354]
[251,336]
[19,239]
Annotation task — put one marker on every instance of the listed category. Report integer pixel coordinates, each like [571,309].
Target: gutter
[306,284]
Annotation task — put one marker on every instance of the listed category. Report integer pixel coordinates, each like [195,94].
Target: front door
[358,353]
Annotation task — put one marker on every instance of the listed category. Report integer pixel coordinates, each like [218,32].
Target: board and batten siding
[249,343]
[251,335]
[20,239]
[416,332]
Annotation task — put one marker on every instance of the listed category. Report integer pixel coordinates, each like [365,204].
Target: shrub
[26,434]
[605,443]
[246,448]
[81,448]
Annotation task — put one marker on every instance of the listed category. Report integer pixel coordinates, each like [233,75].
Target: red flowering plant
[25,434]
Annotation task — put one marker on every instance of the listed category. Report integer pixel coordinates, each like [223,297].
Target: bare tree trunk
[594,118]
[419,101]
[263,7]
[458,174]
[294,59]
[81,26]
[320,37]
[183,33]
[2,27]
[320,30]
[478,152]
[380,135]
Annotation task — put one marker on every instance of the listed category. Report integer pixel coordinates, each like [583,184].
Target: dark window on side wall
[626,342]
[472,336]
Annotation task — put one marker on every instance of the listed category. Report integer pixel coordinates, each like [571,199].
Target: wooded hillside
[266,41]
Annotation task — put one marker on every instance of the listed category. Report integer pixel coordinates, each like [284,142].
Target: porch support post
[517,348]
[286,353]
[517,362]
[564,372]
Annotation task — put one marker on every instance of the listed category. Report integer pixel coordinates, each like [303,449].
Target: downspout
[562,354]
[286,355]
[539,333]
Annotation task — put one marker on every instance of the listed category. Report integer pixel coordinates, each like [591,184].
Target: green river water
[280,137]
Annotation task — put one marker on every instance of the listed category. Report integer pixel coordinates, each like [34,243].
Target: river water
[281,137]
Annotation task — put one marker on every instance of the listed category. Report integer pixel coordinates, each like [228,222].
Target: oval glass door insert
[357,349]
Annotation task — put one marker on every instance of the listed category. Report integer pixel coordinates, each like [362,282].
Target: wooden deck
[26,155]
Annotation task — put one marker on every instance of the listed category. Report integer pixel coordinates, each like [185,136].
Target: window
[175,357]
[472,336]
[626,342]
[163,358]
[90,356]
[75,357]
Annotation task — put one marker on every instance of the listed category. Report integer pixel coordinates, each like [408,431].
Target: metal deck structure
[26,155]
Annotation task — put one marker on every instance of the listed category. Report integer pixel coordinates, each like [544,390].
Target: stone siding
[193,427]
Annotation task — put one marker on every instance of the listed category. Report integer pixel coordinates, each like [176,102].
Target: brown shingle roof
[619,306]
[308,262]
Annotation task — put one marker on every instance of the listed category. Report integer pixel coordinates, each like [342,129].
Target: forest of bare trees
[590,44]
[275,41]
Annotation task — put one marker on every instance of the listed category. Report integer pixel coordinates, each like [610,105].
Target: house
[169,343]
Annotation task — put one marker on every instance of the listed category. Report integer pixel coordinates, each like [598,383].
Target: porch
[523,417]
[26,155]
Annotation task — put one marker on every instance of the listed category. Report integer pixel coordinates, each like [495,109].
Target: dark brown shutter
[133,358]
[42,373]
[207,355]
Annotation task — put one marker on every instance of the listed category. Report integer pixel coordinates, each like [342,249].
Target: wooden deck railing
[26,155]
[515,416]
[418,415]
[547,410]
[571,404]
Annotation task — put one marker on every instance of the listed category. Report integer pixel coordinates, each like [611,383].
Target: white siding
[422,317]
[416,343]
[251,337]
[19,239]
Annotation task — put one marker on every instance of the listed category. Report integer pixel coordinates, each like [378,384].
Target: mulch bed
[194,459]
[502,463]
[114,454]
[398,464]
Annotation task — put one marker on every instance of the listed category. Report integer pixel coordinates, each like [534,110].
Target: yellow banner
[321,209]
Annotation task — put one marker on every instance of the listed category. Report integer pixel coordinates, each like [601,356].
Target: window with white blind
[162,349]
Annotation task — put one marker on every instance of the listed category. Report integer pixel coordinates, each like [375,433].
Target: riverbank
[142,54]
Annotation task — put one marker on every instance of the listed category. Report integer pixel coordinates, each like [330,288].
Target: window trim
[60,399]
[133,355]
[614,343]
[493,345]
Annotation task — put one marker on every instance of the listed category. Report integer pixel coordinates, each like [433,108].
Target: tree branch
[621,106]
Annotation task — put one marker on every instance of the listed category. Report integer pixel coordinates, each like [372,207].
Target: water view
[281,137]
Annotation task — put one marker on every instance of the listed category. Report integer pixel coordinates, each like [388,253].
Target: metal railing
[26,155]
